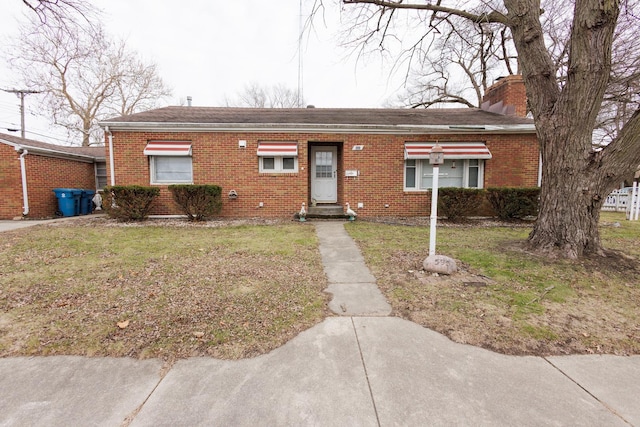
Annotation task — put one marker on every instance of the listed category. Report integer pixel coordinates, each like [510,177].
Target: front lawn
[506,299]
[174,290]
[103,289]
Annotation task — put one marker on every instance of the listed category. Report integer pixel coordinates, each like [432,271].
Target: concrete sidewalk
[9,225]
[368,370]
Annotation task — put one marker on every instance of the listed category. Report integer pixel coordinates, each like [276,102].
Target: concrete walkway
[9,225]
[356,369]
[354,289]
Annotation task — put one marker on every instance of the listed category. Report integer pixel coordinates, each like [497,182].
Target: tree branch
[493,16]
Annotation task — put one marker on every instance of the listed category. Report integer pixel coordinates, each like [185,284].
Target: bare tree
[83,75]
[61,11]
[257,96]
[138,86]
[567,70]
[456,63]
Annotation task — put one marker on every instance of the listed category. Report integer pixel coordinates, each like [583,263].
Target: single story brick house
[30,170]
[269,161]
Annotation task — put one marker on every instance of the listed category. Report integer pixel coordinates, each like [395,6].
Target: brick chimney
[506,96]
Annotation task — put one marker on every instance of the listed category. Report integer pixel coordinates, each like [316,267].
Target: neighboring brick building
[276,159]
[45,167]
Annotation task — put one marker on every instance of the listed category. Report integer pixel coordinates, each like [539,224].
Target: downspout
[23,172]
[111,160]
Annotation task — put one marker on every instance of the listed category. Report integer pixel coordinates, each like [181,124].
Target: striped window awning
[272,149]
[168,148]
[452,150]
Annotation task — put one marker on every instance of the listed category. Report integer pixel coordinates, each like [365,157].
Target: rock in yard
[440,264]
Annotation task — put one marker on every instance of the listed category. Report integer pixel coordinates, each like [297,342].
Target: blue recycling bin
[66,201]
[77,195]
[86,203]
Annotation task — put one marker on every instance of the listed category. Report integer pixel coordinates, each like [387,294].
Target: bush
[198,202]
[129,202]
[510,203]
[457,203]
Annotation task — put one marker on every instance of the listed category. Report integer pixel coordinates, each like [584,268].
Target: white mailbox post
[436,158]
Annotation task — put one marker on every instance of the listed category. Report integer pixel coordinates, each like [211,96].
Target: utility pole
[21,93]
[300,70]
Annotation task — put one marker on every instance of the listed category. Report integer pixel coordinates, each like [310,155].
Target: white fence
[633,205]
[617,201]
[624,200]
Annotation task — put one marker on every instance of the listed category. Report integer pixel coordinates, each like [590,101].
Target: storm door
[324,174]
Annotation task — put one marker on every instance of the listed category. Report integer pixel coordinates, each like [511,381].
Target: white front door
[324,174]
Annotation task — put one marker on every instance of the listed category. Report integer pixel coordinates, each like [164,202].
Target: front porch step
[326,211]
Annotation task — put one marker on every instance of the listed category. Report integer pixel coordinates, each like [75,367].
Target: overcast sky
[209,49]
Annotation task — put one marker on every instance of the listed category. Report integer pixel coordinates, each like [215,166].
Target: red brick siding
[511,91]
[10,183]
[217,159]
[46,173]
[43,175]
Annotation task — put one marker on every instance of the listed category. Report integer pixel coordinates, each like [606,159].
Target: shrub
[198,202]
[510,203]
[129,202]
[457,203]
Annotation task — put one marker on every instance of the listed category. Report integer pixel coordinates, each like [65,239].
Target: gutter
[50,152]
[23,172]
[112,168]
[322,128]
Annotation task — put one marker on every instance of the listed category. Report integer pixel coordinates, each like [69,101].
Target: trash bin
[66,201]
[86,203]
[77,195]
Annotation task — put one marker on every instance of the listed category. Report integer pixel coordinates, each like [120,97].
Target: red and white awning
[272,149]
[452,150]
[168,148]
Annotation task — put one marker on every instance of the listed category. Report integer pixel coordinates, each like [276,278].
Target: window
[278,157]
[279,164]
[101,175]
[465,173]
[463,165]
[171,169]
[410,169]
[170,162]
[324,164]
[268,163]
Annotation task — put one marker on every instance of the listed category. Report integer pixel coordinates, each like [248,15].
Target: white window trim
[152,170]
[465,174]
[278,160]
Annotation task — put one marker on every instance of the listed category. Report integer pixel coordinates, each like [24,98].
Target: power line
[21,93]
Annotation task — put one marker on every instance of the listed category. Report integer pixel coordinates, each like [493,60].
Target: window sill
[171,183]
[274,174]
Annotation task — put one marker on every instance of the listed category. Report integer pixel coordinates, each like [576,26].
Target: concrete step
[326,211]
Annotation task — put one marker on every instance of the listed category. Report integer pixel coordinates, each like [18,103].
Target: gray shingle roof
[319,116]
[94,152]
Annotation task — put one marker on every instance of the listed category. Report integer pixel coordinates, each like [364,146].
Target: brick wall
[43,175]
[217,159]
[10,183]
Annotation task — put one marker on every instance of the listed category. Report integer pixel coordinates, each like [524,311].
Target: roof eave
[310,128]
[52,153]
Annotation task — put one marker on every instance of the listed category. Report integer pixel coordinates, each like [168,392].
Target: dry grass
[98,288]
[171,289]
[508,300]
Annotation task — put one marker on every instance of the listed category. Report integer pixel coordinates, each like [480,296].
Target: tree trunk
[570,203]
[573,179]
[86,132]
